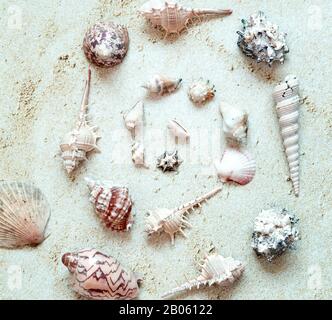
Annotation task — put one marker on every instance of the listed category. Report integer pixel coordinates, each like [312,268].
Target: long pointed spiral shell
[286,96]
[24,213]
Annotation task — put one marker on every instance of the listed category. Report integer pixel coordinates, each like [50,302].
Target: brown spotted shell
[100,277]
[106,44]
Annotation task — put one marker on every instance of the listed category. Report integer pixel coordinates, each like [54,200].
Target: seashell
[134,118]
[169,161]
[137,153]
[215,269]
[160,85]
[178,131]
[172,17]
[201,91]
[235,123]
[83,139]
[175,220]
[113,205]
[106,44]
[286,96]
[274,232]
[24,213]
[98,276]
[236,165]
[261,40]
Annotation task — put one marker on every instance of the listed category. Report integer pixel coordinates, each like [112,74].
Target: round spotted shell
[106,44]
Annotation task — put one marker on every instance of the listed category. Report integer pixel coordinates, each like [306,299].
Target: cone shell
[160,85]
[98,276]
[178,130]
[134,117]
[236,165]
[24,213]
[113,205]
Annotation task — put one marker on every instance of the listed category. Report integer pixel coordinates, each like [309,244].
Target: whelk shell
[160,85]
[24,213]
[172,221]
[215,269]
[178,130]
[113,205]
[286,96]
[172,17]
[83,139]
[201,91]
[98,276]
[236,165]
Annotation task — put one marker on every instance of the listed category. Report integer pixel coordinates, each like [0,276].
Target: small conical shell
[134,117]
[24,213]
[160,85]
[178,130]
[234,123]
[288,103]
[138,155]
[236,165]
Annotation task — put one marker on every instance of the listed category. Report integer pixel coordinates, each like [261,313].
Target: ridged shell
[236,165]
[169,161]
[98,276]
[160,85]
[106,44]
[113,205]
[201,91]
[24,213]
[286,95]
[215,269]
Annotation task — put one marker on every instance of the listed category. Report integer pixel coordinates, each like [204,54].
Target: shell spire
[286,96]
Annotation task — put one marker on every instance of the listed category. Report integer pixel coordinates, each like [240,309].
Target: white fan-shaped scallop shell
[178,130]
[286,96]
[235,125]
[236,165]
[160,85]
[24,213]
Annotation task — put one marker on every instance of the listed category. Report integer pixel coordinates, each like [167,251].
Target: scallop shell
[106,44]
[83,139]
[274,232]
[160,85]
[172,221]
[178,130]
[24,213]
[134,118]
[98,276]
[172,17]
[113,205]
[236,165]
[286,96]
[215,269]
[235,123]
[201,91]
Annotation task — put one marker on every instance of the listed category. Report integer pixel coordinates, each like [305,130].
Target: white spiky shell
[201,91]
[215,269]
[286,96]
[160,85]
[172,221]
[235,123]
[134,117]
[24,213]
[236,165]
[178,130]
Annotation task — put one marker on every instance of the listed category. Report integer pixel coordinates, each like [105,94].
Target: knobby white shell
[236,165]
[98,276]
[286,96]
[235,123]
[201,91]
[83,139]
[134,118]
[160,85]
[172,17]
[172,221]
[24,213]
[138,154]
[215,269]
[178,130]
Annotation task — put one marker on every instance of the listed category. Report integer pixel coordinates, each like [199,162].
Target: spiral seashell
[178,130]
[172,17]
[175,220]
[113,205]
[235,123]
[201,91]
[98,276]
[83,139]
[215,269]
[106,44]
[236,165]
[286,96]
[160,85]
[24,213]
